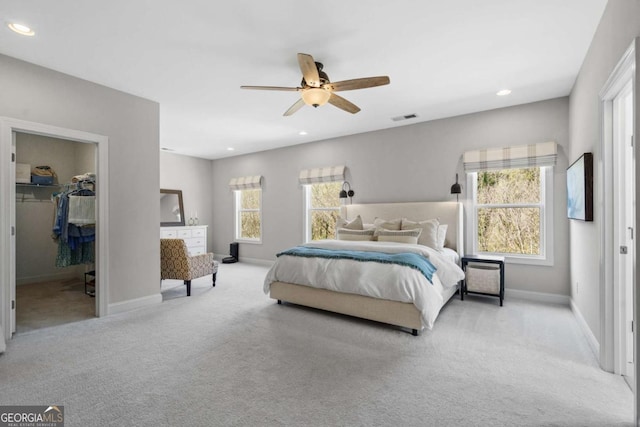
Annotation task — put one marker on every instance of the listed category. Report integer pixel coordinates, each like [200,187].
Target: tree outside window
[323,208]
[509,211]
[249,215]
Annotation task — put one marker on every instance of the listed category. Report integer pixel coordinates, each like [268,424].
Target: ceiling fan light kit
[316,89]
[315,96]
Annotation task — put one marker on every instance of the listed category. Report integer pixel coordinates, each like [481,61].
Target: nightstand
[484,275]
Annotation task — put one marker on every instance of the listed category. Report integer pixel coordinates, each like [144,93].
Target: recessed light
[21,29]
[302,132]
[503,92]
[230,148]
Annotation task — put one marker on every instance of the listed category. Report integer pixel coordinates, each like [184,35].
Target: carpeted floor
[229,356]
[53,303]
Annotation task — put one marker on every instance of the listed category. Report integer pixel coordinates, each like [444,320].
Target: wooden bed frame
[392,312]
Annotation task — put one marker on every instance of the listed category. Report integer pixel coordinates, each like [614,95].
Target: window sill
[511,259]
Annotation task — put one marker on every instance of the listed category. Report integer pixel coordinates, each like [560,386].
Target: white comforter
[373,279]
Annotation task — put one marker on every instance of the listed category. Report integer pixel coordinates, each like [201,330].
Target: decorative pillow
[346,234]
[429,235]
[355,224]
[400,236]
[393,224]
[442,235]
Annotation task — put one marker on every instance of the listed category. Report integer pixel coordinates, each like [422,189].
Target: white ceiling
[444,58]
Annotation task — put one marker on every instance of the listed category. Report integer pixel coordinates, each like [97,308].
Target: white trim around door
[8,127]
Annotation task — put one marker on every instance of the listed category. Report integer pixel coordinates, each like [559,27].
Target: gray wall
[409,163]
[191,176]
[35,249]
[620,24]
[131,123]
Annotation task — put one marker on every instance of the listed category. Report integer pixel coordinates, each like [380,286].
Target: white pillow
[400,236]
[354,224]
[361,235]
[429,235]
[442,235]
[393,224]
[383,224]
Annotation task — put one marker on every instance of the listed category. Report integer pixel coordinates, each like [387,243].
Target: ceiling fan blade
[358,83]
[291,89]
[343,104]
[309,69]
[295,107]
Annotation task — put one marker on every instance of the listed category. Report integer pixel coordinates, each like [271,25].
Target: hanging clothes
[74,224]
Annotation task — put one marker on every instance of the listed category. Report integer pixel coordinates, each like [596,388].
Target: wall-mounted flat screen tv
[580,188]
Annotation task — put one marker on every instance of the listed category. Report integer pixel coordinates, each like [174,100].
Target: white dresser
[194,236]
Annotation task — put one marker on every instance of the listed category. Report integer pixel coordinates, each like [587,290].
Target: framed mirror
[171,208]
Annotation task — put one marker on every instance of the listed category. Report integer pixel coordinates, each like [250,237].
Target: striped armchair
[175,263]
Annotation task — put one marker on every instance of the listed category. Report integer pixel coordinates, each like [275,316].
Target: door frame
[621,236]
[624,71]
[7,181]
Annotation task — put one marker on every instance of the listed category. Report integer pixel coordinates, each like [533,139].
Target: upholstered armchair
[176,263]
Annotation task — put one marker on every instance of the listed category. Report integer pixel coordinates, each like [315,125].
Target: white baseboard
[537,296]
[591,339]
[132,304]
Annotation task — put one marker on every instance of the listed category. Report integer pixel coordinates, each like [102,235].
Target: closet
[54,282]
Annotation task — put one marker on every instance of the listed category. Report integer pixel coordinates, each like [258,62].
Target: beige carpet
[53,303]
[230,356]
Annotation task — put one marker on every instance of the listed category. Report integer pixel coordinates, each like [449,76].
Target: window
[512,213]
[248,218]
[322,207]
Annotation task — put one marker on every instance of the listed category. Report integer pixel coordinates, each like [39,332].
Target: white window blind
[246,182]
[520,156]
[327,174]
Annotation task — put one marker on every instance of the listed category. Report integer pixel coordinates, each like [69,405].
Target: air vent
[407,117]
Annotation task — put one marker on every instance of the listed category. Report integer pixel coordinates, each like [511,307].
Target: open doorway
[8,129]
[55,246]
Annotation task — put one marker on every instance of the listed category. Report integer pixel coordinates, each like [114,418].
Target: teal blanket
[408,259]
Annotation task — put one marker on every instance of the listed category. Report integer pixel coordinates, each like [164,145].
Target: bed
[395,294]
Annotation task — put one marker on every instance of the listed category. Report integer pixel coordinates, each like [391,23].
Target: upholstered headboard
[449,213]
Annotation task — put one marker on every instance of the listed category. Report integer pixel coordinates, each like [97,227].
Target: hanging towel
[82,210]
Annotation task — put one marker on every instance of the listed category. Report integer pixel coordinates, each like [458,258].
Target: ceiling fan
[317,90]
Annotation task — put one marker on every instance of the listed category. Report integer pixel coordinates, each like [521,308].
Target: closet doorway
[55,239]
[9,128]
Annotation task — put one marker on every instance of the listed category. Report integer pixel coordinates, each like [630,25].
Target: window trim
[237,210]
[306,224]
[546,223]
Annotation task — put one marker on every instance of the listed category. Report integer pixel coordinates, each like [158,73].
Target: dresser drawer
[198,232]
[184,234]
[195,242]
[168,234]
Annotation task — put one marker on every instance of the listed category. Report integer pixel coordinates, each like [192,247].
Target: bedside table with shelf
[484,275]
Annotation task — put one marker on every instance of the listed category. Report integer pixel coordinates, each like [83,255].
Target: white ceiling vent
[407,117]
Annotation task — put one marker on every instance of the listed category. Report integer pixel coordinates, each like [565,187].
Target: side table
[484,275]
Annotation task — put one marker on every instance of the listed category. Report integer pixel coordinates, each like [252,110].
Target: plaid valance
[520,156]
[328,174]
[246,182]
